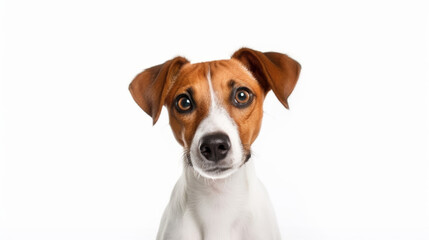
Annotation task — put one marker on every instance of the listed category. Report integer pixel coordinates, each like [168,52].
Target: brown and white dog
[215,112]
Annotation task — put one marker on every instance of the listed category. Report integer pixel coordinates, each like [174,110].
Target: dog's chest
[233,209]
[223,215]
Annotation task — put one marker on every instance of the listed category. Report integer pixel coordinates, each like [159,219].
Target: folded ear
[150,87]
[273,70]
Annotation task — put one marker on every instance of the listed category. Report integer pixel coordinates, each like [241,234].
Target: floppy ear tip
[155,116]
[154,121]
[285,104]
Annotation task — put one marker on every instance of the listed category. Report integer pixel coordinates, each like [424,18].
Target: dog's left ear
[273,70]
[150,87]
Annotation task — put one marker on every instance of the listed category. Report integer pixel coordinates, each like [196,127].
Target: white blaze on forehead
[212,93]
[218,120]
[218,116]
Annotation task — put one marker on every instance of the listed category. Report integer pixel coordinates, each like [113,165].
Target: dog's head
[215,108]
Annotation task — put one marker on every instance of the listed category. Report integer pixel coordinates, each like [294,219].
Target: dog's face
[215,112]
[215,108]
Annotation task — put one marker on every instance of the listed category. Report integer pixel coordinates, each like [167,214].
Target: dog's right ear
[150,87]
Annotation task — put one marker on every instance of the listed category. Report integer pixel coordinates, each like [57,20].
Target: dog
[215,112]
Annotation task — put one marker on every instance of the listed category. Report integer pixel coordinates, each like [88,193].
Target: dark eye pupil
[241,96]
[185,103]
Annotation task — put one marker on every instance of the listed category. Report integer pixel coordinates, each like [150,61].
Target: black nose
[215,147]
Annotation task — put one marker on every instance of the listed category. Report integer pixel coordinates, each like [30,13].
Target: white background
[80,160]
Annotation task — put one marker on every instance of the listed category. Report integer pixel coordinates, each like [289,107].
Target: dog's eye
[184,103]
[242,97]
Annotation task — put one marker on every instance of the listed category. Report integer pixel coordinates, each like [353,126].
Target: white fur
[218,120]
[226,206]
[236,207]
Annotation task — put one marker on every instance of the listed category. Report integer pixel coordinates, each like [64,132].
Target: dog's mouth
[214,171]
[217,169]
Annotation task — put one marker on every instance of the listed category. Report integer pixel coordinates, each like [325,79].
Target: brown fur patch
[194,76]
[184,125]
